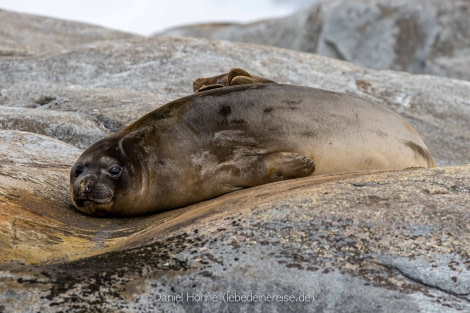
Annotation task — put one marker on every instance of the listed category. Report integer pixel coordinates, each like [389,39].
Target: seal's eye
[115,170]
[78,169]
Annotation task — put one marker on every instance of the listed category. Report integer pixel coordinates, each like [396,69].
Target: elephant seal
[236,76]
[220,140]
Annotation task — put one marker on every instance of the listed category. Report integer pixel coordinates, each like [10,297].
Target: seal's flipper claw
[209,87]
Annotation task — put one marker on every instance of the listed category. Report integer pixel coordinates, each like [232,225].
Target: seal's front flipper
[258,169]
[287,165]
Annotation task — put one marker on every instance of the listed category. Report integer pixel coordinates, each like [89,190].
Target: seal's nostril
[88,183]
[88,186]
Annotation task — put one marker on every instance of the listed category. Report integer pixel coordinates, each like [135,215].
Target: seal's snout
[92,189]
[87,185]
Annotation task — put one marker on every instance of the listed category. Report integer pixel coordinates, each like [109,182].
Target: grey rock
[76,129]
[114,108]
[25,34]
[419,36]
[33,149]
[448,273]
[122,80]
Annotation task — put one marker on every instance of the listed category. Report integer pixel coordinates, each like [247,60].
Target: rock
[119,81]
[355,242]
[383,242]
[25,34]
[420,36]
[42,100]
[33,180]
[76,129]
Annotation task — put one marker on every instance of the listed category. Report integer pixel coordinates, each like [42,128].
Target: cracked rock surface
[357,242]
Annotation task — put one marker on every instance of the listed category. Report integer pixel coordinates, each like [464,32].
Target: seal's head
[98,178]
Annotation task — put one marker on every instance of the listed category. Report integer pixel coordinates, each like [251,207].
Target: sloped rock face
[419,36]
[357,242]
[24,34]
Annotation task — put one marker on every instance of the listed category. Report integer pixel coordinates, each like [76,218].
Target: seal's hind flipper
[235,72]
[243,80]
[236,76]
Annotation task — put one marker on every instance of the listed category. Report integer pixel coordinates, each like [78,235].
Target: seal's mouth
[86,200]
[93,207]
[90,202]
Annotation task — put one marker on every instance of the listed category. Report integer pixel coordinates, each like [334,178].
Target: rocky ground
[358,242]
